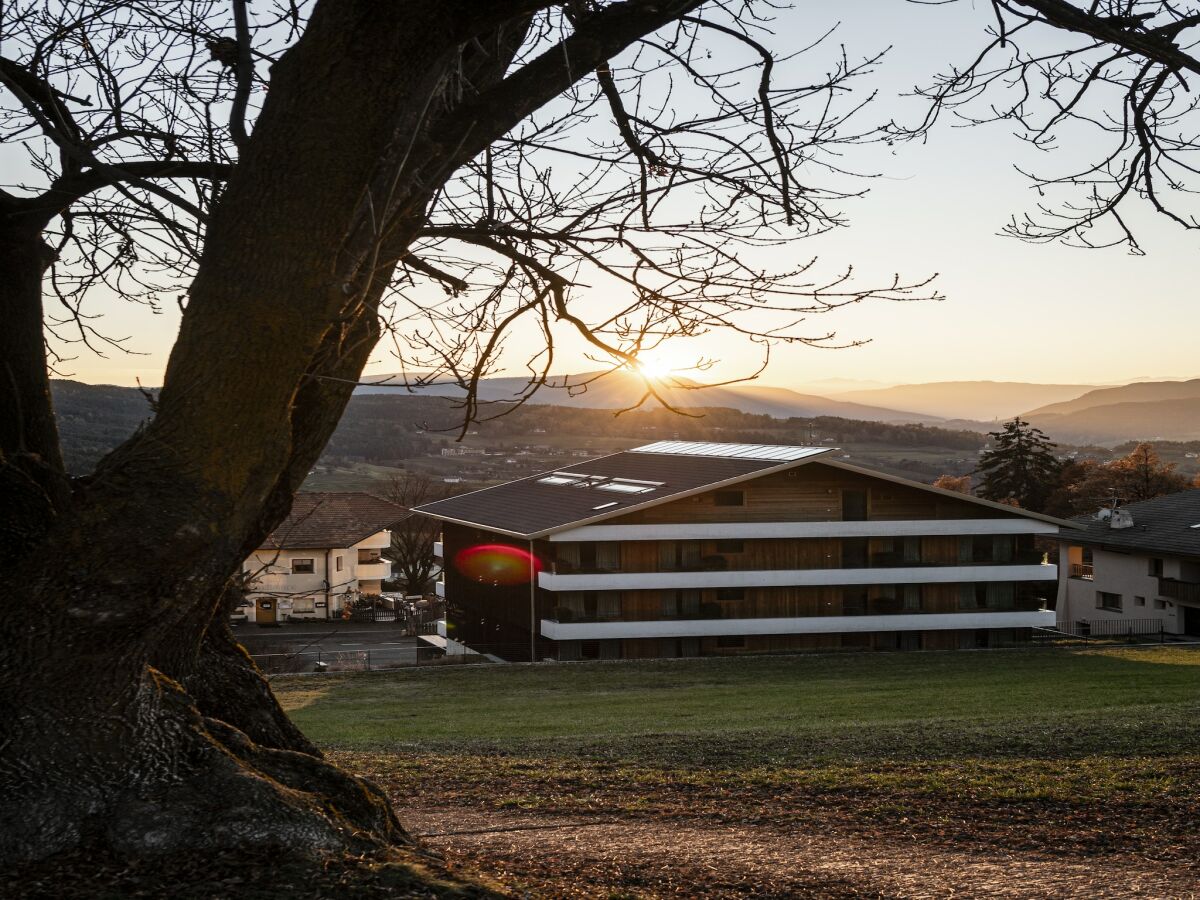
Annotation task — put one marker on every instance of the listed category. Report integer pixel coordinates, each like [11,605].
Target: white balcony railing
[679,628]
[726,578]
[373,570]
[755,530]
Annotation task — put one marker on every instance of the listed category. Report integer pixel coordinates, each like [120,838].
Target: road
[340,645]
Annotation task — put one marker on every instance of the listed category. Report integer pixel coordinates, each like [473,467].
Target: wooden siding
[812,493]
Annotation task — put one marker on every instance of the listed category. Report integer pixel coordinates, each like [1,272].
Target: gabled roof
[620,483]
[1165,526]
[333,519]
[610,486]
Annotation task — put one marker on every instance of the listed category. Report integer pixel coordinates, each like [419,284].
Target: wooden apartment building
[685,549]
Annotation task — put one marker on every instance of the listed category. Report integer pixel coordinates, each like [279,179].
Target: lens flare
[497,564]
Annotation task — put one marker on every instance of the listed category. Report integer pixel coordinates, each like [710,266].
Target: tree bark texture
[129,717]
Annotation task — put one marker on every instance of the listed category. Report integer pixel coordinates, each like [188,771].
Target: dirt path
[551,856]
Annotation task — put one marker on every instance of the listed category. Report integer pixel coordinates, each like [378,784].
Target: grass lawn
[1060,754]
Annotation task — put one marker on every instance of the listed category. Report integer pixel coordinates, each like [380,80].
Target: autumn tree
[1139,475]
[959,483]
[300,179]
[1021,467]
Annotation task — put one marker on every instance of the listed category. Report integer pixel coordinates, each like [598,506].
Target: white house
[324,557]
[1134,569]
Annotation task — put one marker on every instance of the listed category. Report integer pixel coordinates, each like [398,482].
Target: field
[1021,774]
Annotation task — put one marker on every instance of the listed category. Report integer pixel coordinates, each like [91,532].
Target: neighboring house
[685,549]
[1138,566]
[324,557]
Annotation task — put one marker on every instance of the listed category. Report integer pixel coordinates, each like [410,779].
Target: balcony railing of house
[1082,570]
[881,606]
[719,563]
[1187,591]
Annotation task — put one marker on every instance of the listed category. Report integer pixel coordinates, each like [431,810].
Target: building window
[1161,604]
[302,567]
[1105,600]
[678,555]
[337,563]
[854,506]
[729,498]
[1139,601]
[730,595]
[1156,567]
[912,598]
[854,553]
[731,642]
[731,546]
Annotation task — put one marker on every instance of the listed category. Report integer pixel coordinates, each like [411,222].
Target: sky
[1013,311]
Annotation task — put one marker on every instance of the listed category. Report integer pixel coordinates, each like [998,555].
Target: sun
[655,368]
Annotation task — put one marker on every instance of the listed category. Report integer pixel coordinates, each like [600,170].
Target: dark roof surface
[528,507]
[335,519]
[1162,526]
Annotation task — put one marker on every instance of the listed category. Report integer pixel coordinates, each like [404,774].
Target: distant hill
[1139,392]
[1114,423]
[94,418]
[618,390]
[388,429]
[975,400]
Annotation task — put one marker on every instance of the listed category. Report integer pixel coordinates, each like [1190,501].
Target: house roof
[646,476]
[1167,526]
[333,519]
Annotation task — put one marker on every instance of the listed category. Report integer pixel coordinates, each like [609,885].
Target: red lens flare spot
[497,564]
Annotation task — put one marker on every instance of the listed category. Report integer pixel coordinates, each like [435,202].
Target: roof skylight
[780,452]
[601,483]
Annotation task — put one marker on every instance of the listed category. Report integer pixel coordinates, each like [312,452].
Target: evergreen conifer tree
[1020,468]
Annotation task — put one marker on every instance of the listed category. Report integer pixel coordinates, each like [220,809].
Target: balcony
[1187,591]
[376,569]
[1083,570]
[680,628]
[794,577]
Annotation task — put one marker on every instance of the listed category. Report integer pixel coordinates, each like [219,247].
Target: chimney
[1120,518]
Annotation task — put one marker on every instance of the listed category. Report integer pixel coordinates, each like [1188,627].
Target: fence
[1106,630]
[357,660]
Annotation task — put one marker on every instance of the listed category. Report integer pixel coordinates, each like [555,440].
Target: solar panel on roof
[779,452]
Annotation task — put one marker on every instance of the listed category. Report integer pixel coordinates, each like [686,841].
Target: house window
[1139,601]
[1105,600]
[854,506]
[854,553]
[1156,567]
[302,567]
[337,563]
[912,598]
[1161,604]
[729,498]
[731,546]
[680,603]
[677,555]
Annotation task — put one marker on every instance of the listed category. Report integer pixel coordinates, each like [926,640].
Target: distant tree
[1141,475]
[1021,467]
[959,483]
[412,539]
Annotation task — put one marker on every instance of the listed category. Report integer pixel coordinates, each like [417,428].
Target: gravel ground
[538,855]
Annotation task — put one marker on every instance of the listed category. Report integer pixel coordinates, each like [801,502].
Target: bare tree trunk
[130,718]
